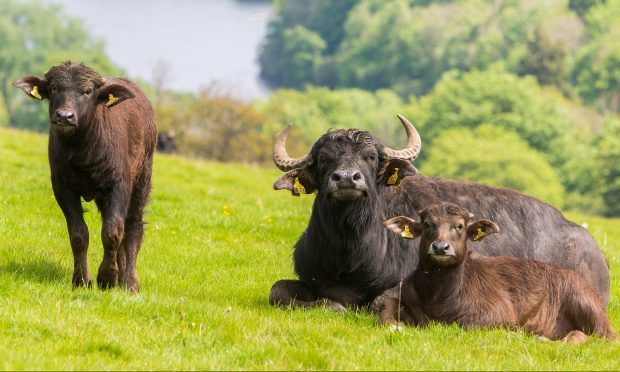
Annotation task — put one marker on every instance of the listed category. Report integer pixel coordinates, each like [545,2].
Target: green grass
[205,281]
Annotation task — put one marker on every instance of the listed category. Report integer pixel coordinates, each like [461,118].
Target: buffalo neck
[435,282]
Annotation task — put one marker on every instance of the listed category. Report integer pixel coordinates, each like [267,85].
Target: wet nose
[440,247]
[347,177]
[64,114]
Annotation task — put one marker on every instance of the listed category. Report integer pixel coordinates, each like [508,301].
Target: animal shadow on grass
[40,270]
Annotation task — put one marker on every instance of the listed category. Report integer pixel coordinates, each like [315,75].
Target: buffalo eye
[87,92]
[52,87]
[460,227]
[372,157]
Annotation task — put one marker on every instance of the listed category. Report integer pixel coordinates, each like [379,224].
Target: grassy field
[217,239]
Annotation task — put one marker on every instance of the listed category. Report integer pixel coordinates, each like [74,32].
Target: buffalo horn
[282,159]
[414,143]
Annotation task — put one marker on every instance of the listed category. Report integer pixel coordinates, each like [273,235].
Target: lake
[194,42]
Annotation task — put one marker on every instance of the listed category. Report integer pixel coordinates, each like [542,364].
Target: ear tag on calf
[111,100]
[298,188]
[407,234]
[34,93]
[393,178]
[479,235]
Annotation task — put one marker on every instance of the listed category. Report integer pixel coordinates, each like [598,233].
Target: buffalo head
[74,90]
[443,230]
[345,165]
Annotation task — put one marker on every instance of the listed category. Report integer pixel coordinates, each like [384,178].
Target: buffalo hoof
[575,337]
[130,283]
[107,277]
[337,306]
[81,280]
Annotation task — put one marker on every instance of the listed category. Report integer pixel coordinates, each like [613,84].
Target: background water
[195,42]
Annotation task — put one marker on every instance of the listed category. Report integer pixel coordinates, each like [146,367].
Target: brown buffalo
[101,143]
[454,284]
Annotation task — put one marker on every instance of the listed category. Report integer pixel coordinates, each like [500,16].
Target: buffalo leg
[297,294]
[134,229]
[71,207]
[113,212]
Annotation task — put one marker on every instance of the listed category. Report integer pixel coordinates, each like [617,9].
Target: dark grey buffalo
[345,256]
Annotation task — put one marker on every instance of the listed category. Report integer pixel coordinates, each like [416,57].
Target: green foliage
[608,156]
[596,72]
[305,48]
[544,60]
[481,97]
[205,279]
[33,37]
[298,35]
[407,45]
[494,156]
[581,7]
[316,110]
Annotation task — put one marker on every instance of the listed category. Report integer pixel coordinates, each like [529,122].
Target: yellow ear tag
[298,187]
[393,178]
[479,235]
[111,100]
[35,92]
[407,234]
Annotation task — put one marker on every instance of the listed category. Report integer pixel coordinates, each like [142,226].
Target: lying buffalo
[346,257]
[454,284]
[101,143]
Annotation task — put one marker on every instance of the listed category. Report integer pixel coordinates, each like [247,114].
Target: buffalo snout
[64,117]
[346,184]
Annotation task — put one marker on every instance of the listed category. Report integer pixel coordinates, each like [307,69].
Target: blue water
[198,42]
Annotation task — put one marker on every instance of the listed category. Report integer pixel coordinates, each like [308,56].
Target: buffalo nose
[440,247]
[64,114]
[346,177]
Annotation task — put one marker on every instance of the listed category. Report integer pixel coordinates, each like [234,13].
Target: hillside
[218,238]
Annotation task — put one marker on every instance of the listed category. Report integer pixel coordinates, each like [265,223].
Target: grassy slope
[205,280]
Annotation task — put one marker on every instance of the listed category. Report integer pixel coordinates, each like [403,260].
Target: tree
[608,155]
[33,37]
[544,60]
[596,72]
[581,7]
[514,103]
[316,110]
[494,156]
[223,129]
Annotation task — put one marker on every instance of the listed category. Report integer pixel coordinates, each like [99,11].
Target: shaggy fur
[478,291]
[101,149]
[346,256]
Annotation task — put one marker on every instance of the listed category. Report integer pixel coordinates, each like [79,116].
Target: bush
[494,156]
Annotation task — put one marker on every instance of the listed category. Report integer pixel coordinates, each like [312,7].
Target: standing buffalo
[346,257]
[101,143]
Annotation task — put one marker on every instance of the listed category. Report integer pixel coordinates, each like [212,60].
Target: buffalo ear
[480,229]
[33,86]
[395,171]
[113,94]
[297,181]
[406,227]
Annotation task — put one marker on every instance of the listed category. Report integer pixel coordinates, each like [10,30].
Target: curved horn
[414,143]
[283,161]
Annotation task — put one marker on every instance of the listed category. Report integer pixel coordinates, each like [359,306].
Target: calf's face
[73,91]
[443,230]
[345,165]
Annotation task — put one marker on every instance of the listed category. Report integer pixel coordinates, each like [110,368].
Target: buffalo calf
[454,284]
[101,143]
